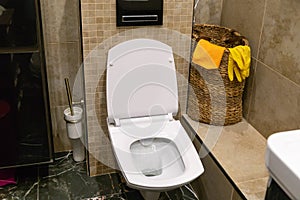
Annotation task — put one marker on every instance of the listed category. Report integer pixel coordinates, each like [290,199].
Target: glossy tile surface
[208,11]
[239,149]
[60,21]
[246,17]
[281,39]
[65,179]
[63,20]
[63,60]
[275,102]
[212,184]
[271,96]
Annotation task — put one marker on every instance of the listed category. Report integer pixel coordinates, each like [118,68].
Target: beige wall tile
[241,165]
[239,151]
[281,39]
[61,20]
[246,17]
[63,60]
[60,136]
[255,189]
[208,12]
[61,34]
[271,100]
[248,89]
[275,102]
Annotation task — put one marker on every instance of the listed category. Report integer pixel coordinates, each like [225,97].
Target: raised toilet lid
[141,80]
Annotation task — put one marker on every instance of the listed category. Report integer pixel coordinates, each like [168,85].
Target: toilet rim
[172,131]
[191,172]
[121,148]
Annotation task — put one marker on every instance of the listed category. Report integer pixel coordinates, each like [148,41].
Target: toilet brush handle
[69,95]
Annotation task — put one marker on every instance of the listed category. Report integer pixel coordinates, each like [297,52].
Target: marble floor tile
[28,187]
[67,180]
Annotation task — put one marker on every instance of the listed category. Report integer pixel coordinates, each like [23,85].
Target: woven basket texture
[213,98]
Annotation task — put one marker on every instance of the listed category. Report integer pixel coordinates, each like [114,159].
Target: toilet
[152,149]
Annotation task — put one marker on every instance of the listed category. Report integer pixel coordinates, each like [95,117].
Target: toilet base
[150,195]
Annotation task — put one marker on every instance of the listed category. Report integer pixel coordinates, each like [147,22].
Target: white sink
[283,161]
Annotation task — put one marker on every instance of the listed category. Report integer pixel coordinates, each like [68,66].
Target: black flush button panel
[139,12]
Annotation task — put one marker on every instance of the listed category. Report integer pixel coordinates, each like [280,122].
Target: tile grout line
[252,88]
[256,59]
[277,72]
[38,185]
[262,28]
[251,180]
[30,189]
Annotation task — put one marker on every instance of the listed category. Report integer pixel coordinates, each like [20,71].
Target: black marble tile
[26,187]
[174,194]
[133,195]
[68,180]
[164,196]
[183,193]
[116,182]
[188,193]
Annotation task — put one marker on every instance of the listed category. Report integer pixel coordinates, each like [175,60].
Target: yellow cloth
[208,55]
[239,62]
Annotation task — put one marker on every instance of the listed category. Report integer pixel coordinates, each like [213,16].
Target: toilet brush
[69,95]
[73,118]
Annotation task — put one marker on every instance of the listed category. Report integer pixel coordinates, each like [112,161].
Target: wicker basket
[213,98]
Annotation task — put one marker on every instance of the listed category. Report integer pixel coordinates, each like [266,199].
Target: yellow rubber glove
[237,74]
[230,67]
[233,70]
[239,62]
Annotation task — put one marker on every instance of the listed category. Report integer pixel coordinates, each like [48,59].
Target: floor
[67,180]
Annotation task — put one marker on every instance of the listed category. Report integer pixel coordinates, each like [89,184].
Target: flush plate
[139,12]
[283,161]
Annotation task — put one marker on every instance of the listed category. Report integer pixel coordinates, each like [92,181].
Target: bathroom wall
[271,100]
[62,43]
[99,34]
[208,11]
[272,95]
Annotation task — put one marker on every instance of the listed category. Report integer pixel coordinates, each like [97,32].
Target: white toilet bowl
[153,151]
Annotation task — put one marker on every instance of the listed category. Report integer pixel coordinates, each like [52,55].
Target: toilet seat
[173,131]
